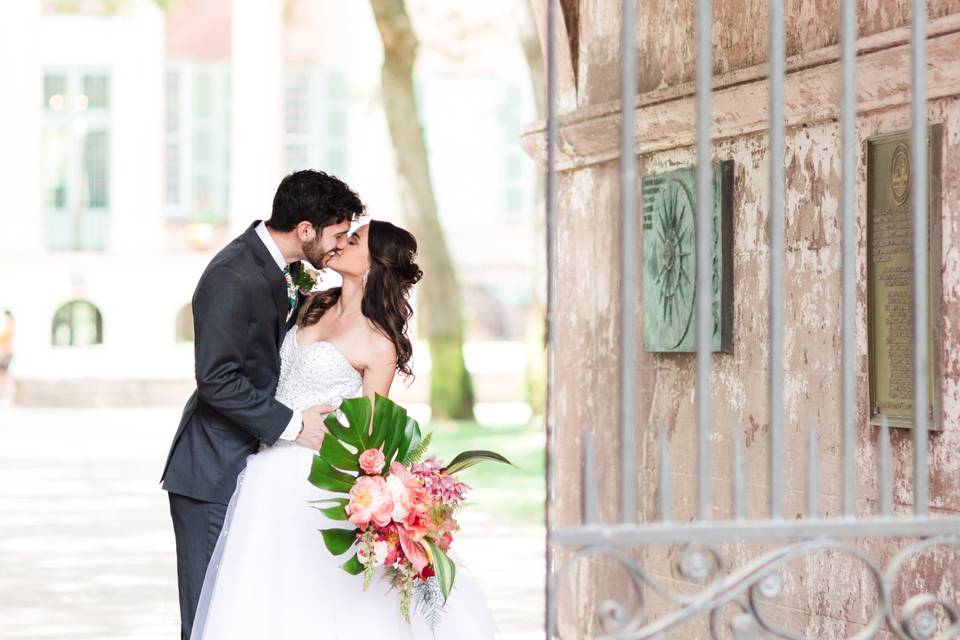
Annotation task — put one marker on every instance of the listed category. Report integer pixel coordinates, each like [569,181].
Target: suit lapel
[283,305]
[274,277]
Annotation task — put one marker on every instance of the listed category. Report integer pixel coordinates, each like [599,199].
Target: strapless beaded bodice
[314,374]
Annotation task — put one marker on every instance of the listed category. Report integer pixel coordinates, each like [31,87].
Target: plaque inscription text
[890,278]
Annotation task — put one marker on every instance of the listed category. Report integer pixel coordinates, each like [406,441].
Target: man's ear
[303,230]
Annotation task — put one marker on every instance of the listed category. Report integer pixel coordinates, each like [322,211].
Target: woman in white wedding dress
[271,577]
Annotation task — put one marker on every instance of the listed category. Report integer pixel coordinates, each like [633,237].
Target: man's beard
[313,250]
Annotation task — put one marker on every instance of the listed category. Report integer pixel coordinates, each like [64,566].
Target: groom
[243,305]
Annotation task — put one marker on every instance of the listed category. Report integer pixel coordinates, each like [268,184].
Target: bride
[271,577]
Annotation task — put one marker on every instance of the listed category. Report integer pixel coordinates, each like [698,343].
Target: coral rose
[370,502]
[371,461]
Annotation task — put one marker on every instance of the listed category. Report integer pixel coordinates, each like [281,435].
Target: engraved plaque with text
[890,282]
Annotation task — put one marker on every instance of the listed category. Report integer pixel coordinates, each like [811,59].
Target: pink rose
[370,502]
[405,476]
[371,461]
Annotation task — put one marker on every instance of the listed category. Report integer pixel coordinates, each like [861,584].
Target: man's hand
[311,436]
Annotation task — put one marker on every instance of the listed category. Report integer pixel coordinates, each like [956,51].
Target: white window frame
[76,227]
[322,142]
[189,124]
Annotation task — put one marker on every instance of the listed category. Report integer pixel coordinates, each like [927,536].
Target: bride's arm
[378,376]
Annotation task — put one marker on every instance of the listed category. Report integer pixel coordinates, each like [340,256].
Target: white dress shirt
[296,420]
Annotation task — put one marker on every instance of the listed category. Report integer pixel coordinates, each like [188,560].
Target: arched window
[78,323]
[185,324]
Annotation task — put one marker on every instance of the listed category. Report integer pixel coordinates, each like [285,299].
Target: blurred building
[142,136]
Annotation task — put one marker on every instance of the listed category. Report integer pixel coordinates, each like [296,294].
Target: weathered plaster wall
[666,37]
[827,596]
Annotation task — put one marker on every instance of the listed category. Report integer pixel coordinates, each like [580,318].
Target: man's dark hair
[314,196]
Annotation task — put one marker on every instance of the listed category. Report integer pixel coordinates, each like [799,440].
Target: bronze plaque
[890,278]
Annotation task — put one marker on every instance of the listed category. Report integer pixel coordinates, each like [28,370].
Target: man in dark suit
[244,303]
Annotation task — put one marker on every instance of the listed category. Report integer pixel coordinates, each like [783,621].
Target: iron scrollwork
[921,616]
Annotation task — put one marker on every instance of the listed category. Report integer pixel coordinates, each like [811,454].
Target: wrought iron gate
[744,587]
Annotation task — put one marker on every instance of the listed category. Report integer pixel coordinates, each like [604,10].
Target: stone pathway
[86,547]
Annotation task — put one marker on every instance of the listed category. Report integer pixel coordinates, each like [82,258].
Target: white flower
[379,553]
[398,491]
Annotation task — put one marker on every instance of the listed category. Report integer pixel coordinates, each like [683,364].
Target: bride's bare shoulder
[381,348]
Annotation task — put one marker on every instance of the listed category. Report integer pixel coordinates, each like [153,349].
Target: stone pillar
[256,166]
[21,202]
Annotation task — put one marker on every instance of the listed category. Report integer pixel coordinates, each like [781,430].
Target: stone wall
[826,596]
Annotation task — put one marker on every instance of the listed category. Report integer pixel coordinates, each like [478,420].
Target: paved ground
[86,548]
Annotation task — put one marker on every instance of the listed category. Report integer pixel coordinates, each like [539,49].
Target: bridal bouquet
[401,503]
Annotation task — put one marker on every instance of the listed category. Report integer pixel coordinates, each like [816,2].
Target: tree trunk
[440,319]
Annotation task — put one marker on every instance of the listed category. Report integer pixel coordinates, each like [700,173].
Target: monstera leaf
[357,430]
[325,476]
[336,467]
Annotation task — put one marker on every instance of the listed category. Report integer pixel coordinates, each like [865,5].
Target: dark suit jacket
[240,318]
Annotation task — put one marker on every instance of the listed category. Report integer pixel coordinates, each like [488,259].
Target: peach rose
[371,461]
[370,502]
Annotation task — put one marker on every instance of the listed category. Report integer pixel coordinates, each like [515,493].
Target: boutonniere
[307,278]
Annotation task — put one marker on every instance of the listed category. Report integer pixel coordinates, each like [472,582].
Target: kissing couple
[272,359]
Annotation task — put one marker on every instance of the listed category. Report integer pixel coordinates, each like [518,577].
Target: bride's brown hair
[386,293]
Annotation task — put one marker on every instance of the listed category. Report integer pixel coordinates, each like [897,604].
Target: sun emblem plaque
[669,261]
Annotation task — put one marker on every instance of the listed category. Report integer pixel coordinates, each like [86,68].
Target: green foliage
[393,430]
[353,566]
[443,566]
[417,454]
[338,540]
[357,430]
[467,459]
[337,511]
[410,440]
[324,476]
[337,455]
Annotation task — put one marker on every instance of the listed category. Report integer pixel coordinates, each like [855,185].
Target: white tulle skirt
[272,577]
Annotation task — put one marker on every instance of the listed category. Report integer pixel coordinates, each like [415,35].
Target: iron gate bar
[918,185]
[712,532]
[703,293]
[885,469]
[776,158]
[848,213]
[550,417]
[628,264]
